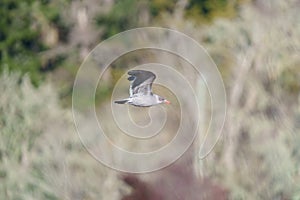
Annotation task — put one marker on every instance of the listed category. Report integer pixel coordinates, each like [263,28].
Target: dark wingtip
[120,101]
[131,72]
[138,72]
[130,78]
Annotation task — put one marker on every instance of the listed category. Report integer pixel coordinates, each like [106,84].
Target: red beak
[167,102]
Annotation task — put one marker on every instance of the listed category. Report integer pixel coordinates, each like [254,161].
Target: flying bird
[140,90]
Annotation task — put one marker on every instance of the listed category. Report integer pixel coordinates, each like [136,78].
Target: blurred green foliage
[257,158]
[158,7]
[206,10]
[24,25]
[125,14]
[21,35]
[41,156]
[37,141]
[18,38]
[20,126]
[122,16]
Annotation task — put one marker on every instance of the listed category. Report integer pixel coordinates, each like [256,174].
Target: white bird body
[141,90]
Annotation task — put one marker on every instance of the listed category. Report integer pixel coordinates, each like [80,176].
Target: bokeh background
[256,46]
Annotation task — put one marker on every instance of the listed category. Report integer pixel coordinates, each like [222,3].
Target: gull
[140,90]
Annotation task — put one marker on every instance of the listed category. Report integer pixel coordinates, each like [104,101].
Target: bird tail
[121,101]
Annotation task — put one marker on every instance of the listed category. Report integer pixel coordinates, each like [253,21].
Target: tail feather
[121,101]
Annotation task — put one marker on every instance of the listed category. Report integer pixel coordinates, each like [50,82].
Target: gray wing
[141,82]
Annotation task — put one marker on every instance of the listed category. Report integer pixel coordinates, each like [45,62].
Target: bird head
[163,100]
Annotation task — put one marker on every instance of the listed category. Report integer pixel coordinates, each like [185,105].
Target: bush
[258,157]
[41,156]
[25,27]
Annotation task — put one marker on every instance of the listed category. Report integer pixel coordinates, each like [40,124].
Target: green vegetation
[257,158]
[207,10]
[23,24]
[41,156]
[255,46]
[18,38]
[122,16]
[127,14]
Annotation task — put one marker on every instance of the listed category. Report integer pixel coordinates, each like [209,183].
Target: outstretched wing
[141,82]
